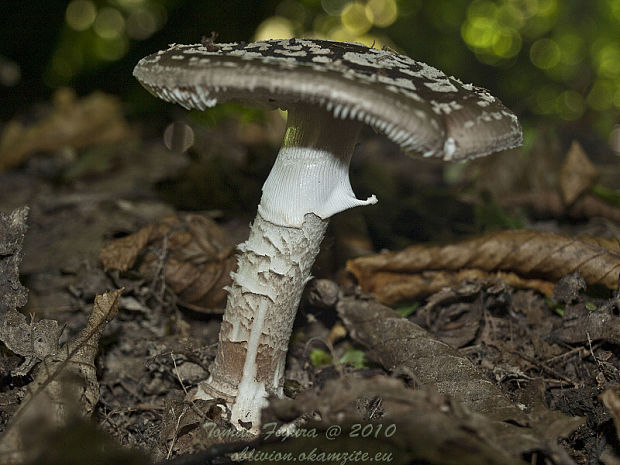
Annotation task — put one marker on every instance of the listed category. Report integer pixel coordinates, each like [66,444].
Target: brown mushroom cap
[413,104]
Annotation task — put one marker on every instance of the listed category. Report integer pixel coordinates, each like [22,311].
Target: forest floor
[495,339]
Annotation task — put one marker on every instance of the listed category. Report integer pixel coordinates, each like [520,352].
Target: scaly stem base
[308,183]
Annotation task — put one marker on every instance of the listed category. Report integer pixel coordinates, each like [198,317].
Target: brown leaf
[12,231]
[403,347]
[424,426]
[122,253]
[34,339]
[524,258]
[193,250]
[400,345]
[65,379]
[95,119]
[390,287]
[577,174]
[550,205]
[585,326]
[612,403]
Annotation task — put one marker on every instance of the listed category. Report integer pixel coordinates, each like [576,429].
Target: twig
[592,351]
[546,368]
[174,437]
[176,372]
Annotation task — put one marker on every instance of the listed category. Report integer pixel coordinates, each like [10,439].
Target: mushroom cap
[415,105]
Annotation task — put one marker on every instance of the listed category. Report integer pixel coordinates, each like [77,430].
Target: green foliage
[407,310]
[611,196]
[555,307]
[590,306]
[489,216]
[318,358]
[355,357]
[242,114]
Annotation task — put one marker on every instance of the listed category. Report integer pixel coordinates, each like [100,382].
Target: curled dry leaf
[193,251]
[390,288]
[524,258]
[95,119]
[65,380]
[577,174]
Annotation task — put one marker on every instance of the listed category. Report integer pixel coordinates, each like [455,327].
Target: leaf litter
[508,353]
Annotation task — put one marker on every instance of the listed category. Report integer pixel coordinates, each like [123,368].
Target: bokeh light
[333,7]
[564,59]
[355,19]
[614,6]
[101,31]
[614,139]
[601,95]
[130,4]
[10,72]
[381,13]
[544,98]
[607,59]
[545,53]
[491,30]
[111,49]
[80,14]
[143,22]
[109,23]
[570,105]
[275,27]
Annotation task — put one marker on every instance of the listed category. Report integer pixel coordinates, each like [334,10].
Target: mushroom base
[272,272]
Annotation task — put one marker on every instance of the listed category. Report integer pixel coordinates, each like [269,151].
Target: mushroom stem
[308,183]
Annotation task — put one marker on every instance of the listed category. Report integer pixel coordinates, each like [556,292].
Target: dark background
[550,60]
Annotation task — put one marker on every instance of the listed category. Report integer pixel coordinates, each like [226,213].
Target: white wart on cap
[415,105]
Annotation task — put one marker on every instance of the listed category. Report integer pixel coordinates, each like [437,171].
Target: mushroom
[330,89]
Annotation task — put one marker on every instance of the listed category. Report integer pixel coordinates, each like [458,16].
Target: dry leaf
[193,250]
[550,205]
[391,288]
[95,119]
[33,340]
[585,326]
[524,258]
[64,380]
[122,253]
[402,346]
[577,174]
[424,427]
[12,230]
[612,403]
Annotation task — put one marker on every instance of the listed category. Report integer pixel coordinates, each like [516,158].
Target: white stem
[308,183]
